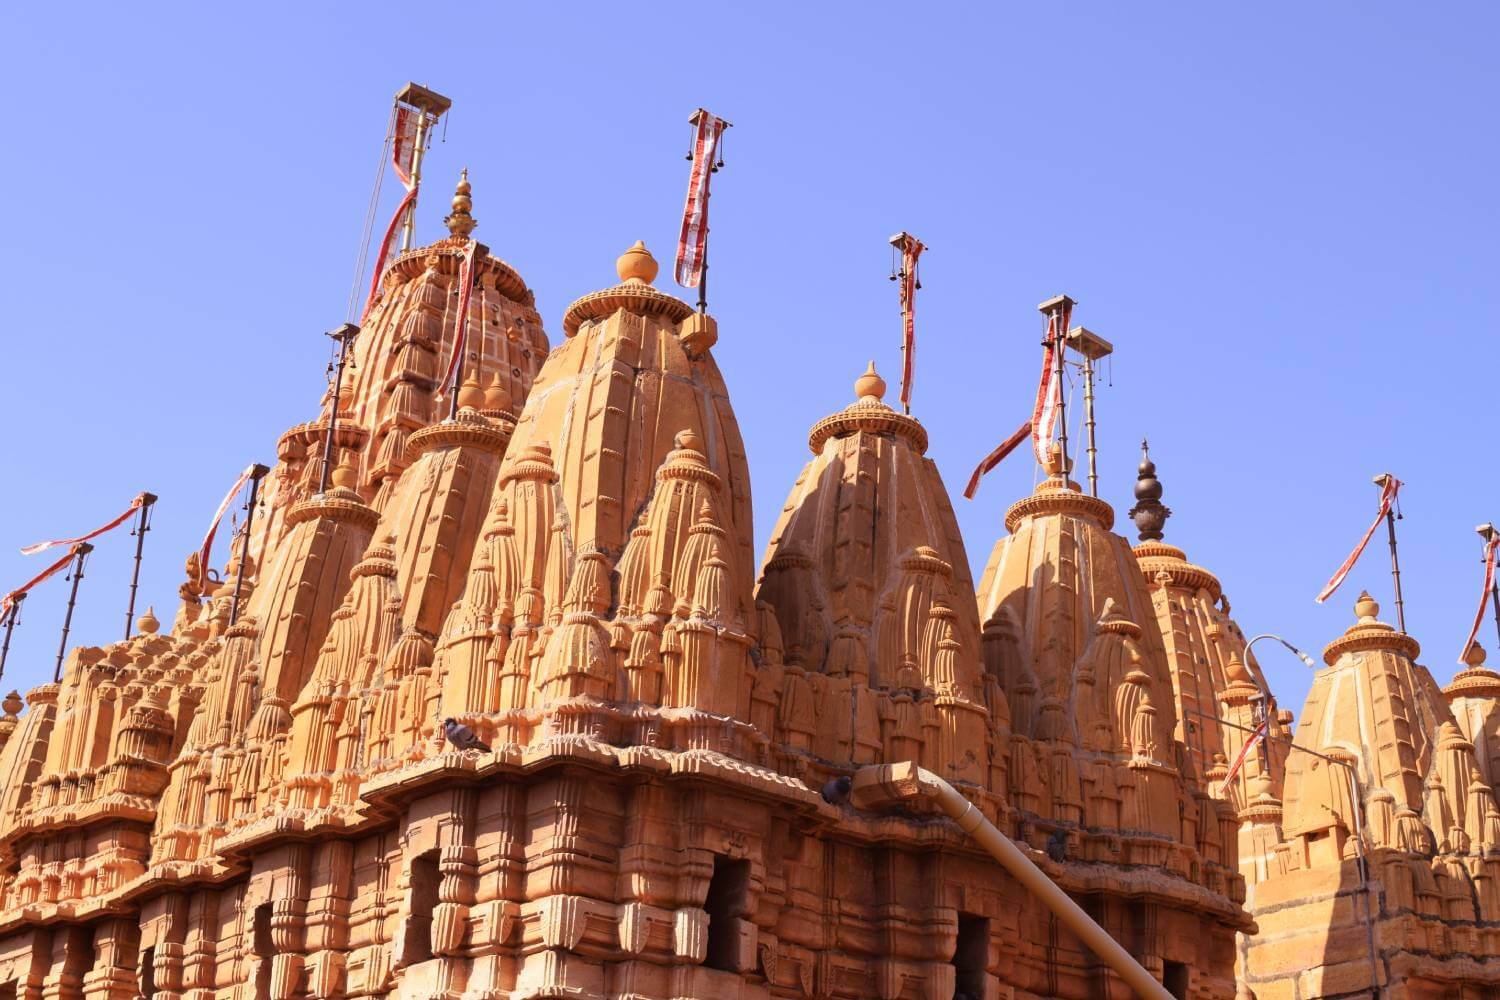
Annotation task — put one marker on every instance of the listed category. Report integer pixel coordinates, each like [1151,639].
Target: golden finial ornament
[870,385]
[460,223]
[637,264]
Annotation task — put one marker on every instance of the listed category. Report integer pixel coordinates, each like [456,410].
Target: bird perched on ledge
[463,737]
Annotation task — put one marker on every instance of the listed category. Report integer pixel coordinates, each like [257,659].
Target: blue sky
[1281,214]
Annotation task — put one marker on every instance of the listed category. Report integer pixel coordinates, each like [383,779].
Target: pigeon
[1057,845]
[463,737]
[836,791]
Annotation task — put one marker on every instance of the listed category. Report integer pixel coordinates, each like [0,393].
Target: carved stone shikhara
[270,809]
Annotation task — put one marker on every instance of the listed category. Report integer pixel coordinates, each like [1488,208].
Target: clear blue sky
[1281,214]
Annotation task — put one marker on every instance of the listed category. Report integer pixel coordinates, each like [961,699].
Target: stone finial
[1054,464]
[1365,608]
[1474,656]
[497,396]
[1149,513]
[687,439]
[460,223]
[870,385]
[637,264]
[12,704]
[470,395]
[148,623]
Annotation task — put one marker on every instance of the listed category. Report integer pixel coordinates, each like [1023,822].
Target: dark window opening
[970,957]
[1174,977]
[148,973]
[263,947]
[728,890]
[424,897]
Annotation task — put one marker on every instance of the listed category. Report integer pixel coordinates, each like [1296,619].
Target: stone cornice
[1371,635]
[337,504]
[468,429]
[632,296]
[1053,498]
[871,416]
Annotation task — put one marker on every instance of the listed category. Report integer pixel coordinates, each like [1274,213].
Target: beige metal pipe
[884,785]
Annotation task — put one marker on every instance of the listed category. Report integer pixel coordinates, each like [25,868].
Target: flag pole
[10,626]
[79,555]
[1092,347]
[142,525]
[343,335]
[1390,527]
[256,475]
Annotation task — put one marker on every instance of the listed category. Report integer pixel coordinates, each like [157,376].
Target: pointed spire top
[497,396]
[1366,608]
[460,223]
[471,395]
[1149,513]
[870,385]
[148,623]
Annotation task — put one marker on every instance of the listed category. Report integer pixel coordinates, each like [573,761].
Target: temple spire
[460,222]
[1149,513]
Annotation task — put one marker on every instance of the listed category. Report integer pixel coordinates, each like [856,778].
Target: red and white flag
[692,245]
[1250,744]
[213,526]
[461,323]
[1490,547]
[8,602]
[995,457]
[1388,493]
[135,505]
[403,161]
[1049,389]
[911,249]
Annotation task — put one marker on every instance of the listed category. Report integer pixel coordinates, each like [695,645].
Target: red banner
[8,602]
[911,249]
[403,161]
[995,457]
[692,244]
[135,505]
[1387,497]
[213,526]
[1250,744]
[1049,389]
[461,322]
[1484,595]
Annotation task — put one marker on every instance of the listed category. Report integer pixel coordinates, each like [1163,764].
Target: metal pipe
[1061,341]
[256,475]
[343,335]
[80,553]
[885,784]
[141,527]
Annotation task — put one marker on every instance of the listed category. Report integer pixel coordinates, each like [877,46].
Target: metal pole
[142,526]
[409,227]
[10,626]
[1487,532]
[1088,411]
[343,335]
[1390,525]
[80,552]
[1061,340]
[256,475]
[886,784]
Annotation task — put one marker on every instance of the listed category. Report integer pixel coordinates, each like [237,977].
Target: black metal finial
[1149,513]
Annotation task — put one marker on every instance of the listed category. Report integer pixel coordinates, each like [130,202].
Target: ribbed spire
[460,223]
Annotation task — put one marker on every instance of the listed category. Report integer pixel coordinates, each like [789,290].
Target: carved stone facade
[565,567]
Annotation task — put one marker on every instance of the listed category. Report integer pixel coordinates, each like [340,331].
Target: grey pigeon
[836,791]
[463,737]
[1057,845]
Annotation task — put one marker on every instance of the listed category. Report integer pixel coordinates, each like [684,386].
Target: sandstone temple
[256,797]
